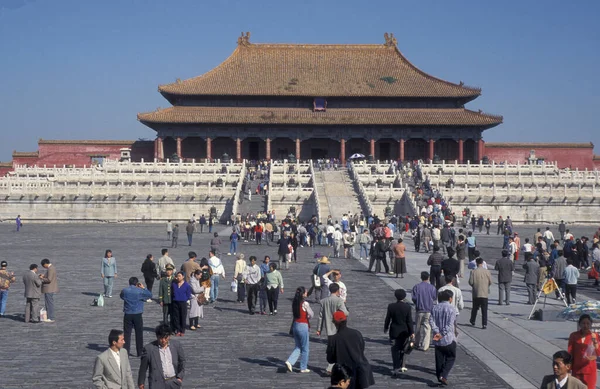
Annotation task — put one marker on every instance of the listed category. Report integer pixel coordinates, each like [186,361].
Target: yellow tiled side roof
[349,116]
[318,70]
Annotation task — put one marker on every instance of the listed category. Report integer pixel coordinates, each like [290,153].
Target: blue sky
[73,69]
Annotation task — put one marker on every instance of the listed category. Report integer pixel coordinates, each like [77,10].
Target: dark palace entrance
[253,151]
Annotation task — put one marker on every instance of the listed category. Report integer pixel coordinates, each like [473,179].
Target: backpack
[387,245]
[5,281]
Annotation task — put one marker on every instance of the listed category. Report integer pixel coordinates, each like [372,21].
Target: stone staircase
[336,194]
[257,204]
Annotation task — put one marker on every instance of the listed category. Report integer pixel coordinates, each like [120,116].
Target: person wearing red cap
[347,347]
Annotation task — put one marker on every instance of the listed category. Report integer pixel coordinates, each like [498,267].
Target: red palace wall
[571,155]
[80,153]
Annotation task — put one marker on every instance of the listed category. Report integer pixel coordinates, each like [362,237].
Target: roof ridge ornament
[390,40]
[244,40]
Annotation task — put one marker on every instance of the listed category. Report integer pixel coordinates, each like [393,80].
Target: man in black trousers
[399,322]
[133,298]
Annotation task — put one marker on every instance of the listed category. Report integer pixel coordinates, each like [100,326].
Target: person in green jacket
[165,294]
[274,285]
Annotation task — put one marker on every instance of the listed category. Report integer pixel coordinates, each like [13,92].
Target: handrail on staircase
[315,192]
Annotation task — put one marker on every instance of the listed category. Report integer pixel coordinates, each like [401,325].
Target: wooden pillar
[156,148]
[268,149]
[209,149]
[179,146]
[238,150]
[298,149]
[372,149]
[343,152]
[401,149]
[461,151]
[480,151]
[161,149]
[431,149]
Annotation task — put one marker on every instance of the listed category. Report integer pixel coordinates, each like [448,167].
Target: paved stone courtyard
[231,350]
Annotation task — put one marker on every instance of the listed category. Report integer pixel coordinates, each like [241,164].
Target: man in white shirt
[218,271]
[164,261]
[337,242]
[548,237]
[527,249]
[337,276]
[457,298]
[105,374]
[512,248]
[330,230]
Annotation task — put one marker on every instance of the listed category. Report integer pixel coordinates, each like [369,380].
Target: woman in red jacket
[583,346]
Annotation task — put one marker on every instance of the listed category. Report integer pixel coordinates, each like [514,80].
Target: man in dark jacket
[505,268]
[347,347]
[435,270]
[532,276]
[399,321]
[450,266]
[283,250]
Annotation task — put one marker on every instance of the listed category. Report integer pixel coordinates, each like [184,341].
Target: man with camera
[133,298]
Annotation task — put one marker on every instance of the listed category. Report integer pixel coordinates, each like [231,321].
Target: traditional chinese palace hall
[318,101]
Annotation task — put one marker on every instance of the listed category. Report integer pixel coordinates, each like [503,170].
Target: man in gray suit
[49,288]
[506,268]
[33,293]
[112,369]
[329,306]
[532,276]
[165,359]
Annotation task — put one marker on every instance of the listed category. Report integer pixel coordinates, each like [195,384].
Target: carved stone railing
[315,192]
[238,190]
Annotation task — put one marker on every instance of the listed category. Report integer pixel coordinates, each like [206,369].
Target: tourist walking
[233,242]
[562,363]
[133,307]
[262,290]
[189,230]
[274,286]
[175,236]
[283,251]
[571,277]
[435,267]
[532,276]
[108,271]
[163,360]
[505,268]
[49,289]
[480,280]
[196,309]
[461,254]
[399,322]
[218,271]
[347,347]
[33,293]
[400,258]
[165,295]
[329,306]
[252,277]
[169,230]
[450,266]
[19,223]
[215,243]
[424,295]
[6,280]
[584,348]
[300,329]
[150,273]
[318,279]
[238,277]
[471,245]
[443,324]
[202,223]
[364,241]
[112,369]
[182,293]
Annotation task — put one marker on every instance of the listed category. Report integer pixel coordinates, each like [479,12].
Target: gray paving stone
[231,350]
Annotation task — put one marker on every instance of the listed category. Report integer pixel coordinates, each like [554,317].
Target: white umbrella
[356,156]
